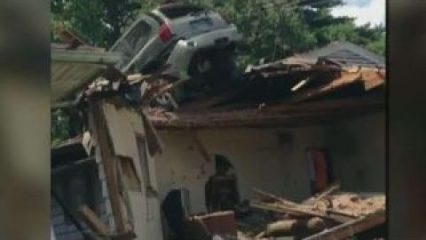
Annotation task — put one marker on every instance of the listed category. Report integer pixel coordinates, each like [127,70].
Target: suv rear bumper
[181,55]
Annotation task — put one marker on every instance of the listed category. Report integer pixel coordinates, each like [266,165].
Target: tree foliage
[99,22]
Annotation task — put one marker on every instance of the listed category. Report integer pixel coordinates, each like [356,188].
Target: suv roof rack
[175,10]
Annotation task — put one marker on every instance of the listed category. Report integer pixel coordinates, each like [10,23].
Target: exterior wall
[358,152]
[271,160]
[275,160]
[123,126]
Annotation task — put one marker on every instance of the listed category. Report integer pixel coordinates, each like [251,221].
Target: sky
[364,11]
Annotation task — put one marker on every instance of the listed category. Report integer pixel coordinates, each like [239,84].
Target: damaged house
[285,131]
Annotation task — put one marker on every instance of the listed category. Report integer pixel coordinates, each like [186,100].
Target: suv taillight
[165,33]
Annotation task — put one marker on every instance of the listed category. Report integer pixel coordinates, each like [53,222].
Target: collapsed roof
[311,88]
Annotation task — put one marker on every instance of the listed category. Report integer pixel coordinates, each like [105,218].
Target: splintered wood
[325,210]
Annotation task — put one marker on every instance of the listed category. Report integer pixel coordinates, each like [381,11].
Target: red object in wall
[319,174]
[221,223]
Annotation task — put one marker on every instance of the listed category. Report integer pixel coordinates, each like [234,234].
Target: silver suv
[180,38]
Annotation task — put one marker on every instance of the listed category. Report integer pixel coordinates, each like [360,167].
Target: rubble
[321,213]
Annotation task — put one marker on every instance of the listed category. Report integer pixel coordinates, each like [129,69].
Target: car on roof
[182,40]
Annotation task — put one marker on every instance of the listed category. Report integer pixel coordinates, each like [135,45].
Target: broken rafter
[345,80]
[371,78]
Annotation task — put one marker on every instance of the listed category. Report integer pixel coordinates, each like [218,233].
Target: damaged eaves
[72,70]
[305,114]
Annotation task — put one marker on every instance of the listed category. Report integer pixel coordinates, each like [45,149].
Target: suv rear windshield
[179,10]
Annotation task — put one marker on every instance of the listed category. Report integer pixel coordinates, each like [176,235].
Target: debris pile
[322,214]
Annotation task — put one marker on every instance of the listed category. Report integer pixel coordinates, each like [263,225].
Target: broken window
[78,186]
[221,190]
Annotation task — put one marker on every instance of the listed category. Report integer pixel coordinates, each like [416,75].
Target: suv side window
[133,41]
[139,36]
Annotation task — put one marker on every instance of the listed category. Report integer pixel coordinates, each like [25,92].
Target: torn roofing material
[72,70]
[346,54]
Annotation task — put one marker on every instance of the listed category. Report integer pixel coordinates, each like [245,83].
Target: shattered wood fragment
[288,210]
[372,80]
[278,199]
[289,227]
[312,200]
[350,229]
[93,221]
[281,228]
[344,80]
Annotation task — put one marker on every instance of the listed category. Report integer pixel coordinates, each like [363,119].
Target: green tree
[99,22]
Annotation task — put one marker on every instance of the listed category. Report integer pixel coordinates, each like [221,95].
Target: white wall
[264,161]
[358,152]
[260,158]
[122,125]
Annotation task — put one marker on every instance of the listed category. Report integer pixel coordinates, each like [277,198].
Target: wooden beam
[276,198]
[350,229]
[292,116]
[93,221]
[80,56]
[299,211]
[109,164]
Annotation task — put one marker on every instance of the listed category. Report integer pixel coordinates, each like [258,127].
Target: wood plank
[312,200]
[301,212]
[278,199]
[349,229]
[109,164]
[93,221]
